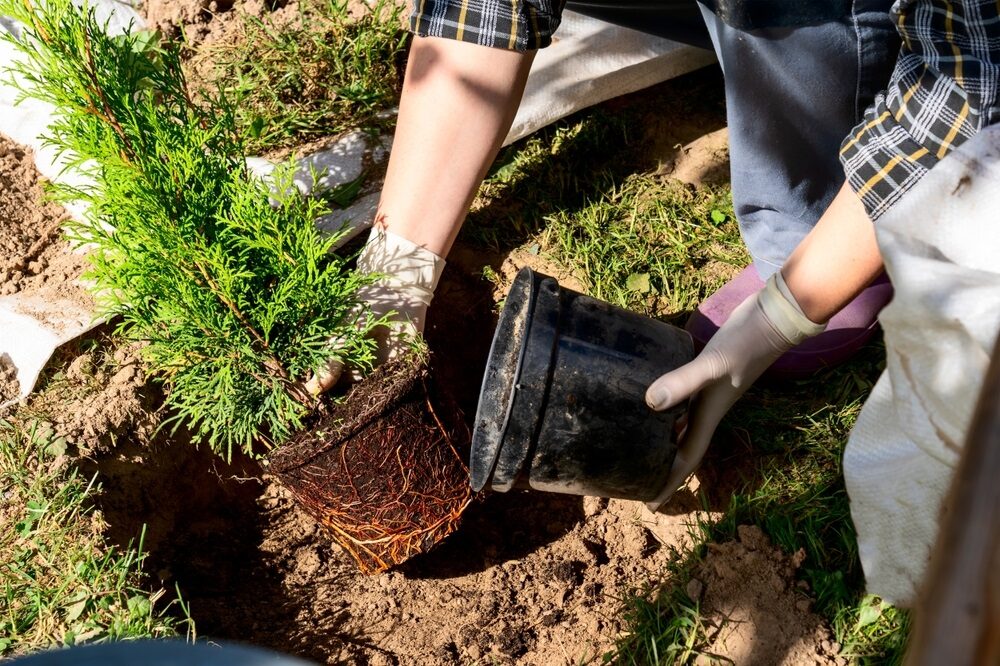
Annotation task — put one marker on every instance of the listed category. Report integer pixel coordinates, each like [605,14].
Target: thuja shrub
[236,298]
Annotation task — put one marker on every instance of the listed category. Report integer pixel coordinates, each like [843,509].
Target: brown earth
[34,260]
[529,578]
[759,615]
[201,23]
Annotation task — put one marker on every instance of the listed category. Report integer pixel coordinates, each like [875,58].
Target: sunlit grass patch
[651,245]
[60,583]
[321,74]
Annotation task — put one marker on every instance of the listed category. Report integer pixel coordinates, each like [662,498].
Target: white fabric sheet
[941,245]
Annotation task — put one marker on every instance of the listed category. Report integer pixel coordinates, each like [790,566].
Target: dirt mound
[32,257]
[34,260]
[99,396]
[202,22]
[761,615]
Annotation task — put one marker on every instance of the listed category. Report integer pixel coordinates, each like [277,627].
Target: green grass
[574,195]
[795,493]
[60,583]
[649,245]
[320,75]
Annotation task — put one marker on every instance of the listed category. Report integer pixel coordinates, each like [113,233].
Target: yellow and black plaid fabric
[944,89]
[515,25]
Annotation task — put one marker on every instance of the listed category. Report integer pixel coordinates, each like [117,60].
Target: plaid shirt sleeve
[515,25]
[944,89]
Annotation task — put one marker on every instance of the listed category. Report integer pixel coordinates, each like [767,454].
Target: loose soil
[201,23]
[96,394]
[34,261]
[198,23]
[760,616]
[206,27]
[33,258]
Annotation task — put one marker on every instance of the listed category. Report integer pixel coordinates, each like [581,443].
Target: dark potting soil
[383,470]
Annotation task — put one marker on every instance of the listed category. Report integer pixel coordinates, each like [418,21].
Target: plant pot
[562,406]
[382,471]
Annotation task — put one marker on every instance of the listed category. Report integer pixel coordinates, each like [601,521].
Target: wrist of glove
[409,275]
[757,333]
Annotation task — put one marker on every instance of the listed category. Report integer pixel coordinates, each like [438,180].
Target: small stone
[124,375]
[474,652]
[593,505]
[694,589]
[802,605]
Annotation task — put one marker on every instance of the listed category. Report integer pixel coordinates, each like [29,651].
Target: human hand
[762,328]
[411,274]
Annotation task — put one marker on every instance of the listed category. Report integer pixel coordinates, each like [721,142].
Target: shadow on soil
[636,133]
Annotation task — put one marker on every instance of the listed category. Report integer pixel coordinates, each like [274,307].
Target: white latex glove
[411,275]
[759,330]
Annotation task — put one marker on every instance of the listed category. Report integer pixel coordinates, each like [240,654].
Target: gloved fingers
[706,412]
[680,384]
[391,342]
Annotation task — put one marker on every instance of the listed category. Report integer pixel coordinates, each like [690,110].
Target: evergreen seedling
[236,298]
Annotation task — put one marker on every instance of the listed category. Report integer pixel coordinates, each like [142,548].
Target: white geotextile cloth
[941,246]
[590,62]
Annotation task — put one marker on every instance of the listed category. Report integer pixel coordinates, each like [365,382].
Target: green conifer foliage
[236,297]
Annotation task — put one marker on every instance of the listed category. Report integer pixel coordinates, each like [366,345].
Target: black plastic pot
[562,407]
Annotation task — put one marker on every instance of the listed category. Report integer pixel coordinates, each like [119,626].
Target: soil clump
[95,395]
[761,616]
[383,470]
[33,258]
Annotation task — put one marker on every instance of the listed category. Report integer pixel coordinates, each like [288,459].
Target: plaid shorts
[515,25]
